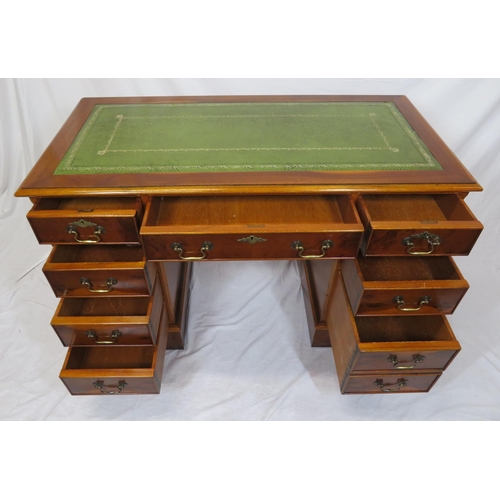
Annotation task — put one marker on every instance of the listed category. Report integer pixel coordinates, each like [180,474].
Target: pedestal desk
[358,189]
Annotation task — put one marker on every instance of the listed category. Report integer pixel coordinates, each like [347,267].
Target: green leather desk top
[221,145]
[245,137]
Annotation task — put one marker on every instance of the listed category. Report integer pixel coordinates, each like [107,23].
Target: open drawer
[439,224]
[106,321]
[99,270]
[387,345]
[251,227]
[86,220]
[403,285]
[116,370]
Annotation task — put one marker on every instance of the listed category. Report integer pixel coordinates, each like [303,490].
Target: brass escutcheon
[252,239]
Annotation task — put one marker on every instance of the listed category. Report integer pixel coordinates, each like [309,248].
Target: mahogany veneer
[372,246]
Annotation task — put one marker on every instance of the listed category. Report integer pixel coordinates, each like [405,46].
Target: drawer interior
[403,329]
[87,358]
[105,306]
[90,253]
[407,269]
[250,211]
[86,204]
[423,208]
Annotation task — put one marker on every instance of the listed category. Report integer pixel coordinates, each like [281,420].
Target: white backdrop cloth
[248,355]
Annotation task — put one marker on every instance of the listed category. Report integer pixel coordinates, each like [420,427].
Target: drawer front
[86,221]
[417,225]
[408,359]
[389,383]
[116,370]
[407,301]
[96,282]
[116,320]
[98,384]
[419,240]
[86,230]
[110,334]
[252,246]
[100,271]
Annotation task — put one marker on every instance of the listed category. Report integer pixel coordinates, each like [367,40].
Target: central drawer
[251,227]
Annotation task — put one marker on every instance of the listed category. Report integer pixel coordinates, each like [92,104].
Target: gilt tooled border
[66,165]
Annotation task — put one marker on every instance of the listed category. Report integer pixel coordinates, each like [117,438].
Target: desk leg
[175,278]
[317,279]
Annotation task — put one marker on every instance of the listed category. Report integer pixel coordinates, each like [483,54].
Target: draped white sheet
[248,355]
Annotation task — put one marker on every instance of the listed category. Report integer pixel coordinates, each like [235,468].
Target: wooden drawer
[86,220]
[116,370]
[417,225]
[109,320]
[390,383]
[99,270]
[251,227]
[387,345]
[403,285]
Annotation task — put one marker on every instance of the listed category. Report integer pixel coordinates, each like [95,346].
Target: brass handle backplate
[417,358]
[433,240]
[109,283]
[99,384]
[400,383]
[205,247]
[95,238]
[401,306]
[325,245]
[92,334]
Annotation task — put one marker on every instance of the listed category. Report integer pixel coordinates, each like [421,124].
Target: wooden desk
[359,189]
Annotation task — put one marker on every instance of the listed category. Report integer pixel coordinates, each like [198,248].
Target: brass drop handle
[325,245]
[109,283]
[417,358]
[433,240]
[400,383]
[205,247]
[92,334]
[99,384]
[98,230]
[400,303]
